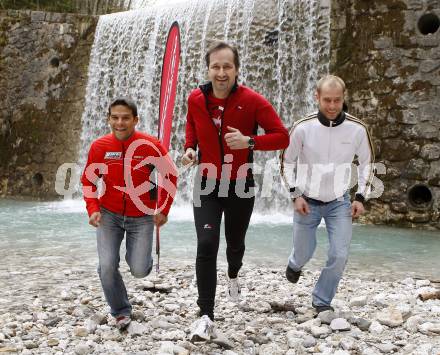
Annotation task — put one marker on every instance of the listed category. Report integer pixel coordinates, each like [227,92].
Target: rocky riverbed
[61,310]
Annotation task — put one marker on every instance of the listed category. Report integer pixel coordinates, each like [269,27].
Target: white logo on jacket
[113,155]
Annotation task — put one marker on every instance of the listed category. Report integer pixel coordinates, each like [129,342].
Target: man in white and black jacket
[317,167]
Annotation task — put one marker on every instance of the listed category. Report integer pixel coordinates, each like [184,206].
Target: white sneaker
[234,291]
[203,329]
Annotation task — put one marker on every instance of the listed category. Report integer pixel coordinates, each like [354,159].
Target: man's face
[222,72]
[122,122]
[330,100]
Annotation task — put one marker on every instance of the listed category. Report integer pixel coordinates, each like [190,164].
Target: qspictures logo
[336,178]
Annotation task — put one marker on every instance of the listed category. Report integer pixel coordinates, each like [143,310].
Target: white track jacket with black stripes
[318,161]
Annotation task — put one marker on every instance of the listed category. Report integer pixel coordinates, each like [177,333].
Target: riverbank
[55,308]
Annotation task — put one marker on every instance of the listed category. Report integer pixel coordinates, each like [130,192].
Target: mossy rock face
[39,124]
[381,51]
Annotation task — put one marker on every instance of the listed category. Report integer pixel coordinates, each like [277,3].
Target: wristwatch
[251,143]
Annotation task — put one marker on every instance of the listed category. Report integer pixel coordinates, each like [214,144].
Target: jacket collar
[331,123]
[128,141]
[207,88]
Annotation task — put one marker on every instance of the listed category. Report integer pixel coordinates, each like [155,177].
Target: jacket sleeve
[275,134]
[365,156]
[89,179]
[289,162]
[190,129]
[167,180]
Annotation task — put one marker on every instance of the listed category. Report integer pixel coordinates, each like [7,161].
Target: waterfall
[283,45]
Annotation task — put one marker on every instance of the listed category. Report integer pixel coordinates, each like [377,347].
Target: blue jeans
[338,221]
[139,242]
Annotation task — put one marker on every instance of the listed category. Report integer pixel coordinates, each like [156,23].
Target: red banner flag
[168,86]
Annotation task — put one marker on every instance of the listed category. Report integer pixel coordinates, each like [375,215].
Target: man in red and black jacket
[124,160]
[222,122]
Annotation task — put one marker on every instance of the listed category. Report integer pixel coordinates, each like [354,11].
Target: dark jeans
[207,217]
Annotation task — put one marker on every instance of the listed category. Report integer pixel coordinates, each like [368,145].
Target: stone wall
[383,49]
[388,52]
[43,74]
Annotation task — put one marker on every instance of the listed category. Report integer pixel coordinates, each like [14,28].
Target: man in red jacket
[222,122]
[127,205]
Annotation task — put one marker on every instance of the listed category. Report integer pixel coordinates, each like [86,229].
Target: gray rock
[387,348]
[309,341]
[270,349]
[80,332]
[430,152]
[138,315]
[390,317]
[376,328]
[358,301]
[53,342]
[52,322]
[90,326]
[167,347]
[362,323]
[429,328]
[259,339]
[99,318]
[308,325]
[293,340]
[320,332]
[171,307]
[326,317]
[409,281]
[173,335]
[340,324]
[136,328]
[422,283]
[221,340]
[348,343]
[30,344]
[82,349]
[158,323]
[341,352]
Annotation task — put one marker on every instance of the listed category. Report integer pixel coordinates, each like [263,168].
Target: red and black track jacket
[125,168]
[245,110]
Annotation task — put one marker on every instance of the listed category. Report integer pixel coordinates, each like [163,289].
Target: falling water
[284,48]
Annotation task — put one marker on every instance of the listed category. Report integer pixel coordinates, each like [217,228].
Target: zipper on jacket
[219,131]
[124,202]
[329,141]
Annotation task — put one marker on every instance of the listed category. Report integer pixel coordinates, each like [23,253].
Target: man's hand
[160,219]
[95,219]
[235,140]
[301,206]
[357,208]
[189,156]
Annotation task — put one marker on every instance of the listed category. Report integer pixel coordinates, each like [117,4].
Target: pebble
[340,324]
[326,317]
[422,283]
[390,317]
[358,301]
[70,316]
[309,341]
[376,328]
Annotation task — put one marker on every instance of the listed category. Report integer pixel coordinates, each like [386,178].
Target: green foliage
[91,7]
[42,5]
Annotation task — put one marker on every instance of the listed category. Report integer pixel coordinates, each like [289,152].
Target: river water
[56,234]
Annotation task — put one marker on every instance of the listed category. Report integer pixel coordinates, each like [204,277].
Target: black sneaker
[323,308]
[292,276]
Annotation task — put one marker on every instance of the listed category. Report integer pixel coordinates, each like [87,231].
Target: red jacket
[115,162]
[245,110]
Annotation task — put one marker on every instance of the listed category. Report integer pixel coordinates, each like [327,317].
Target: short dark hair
[219,45]
[124,101]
